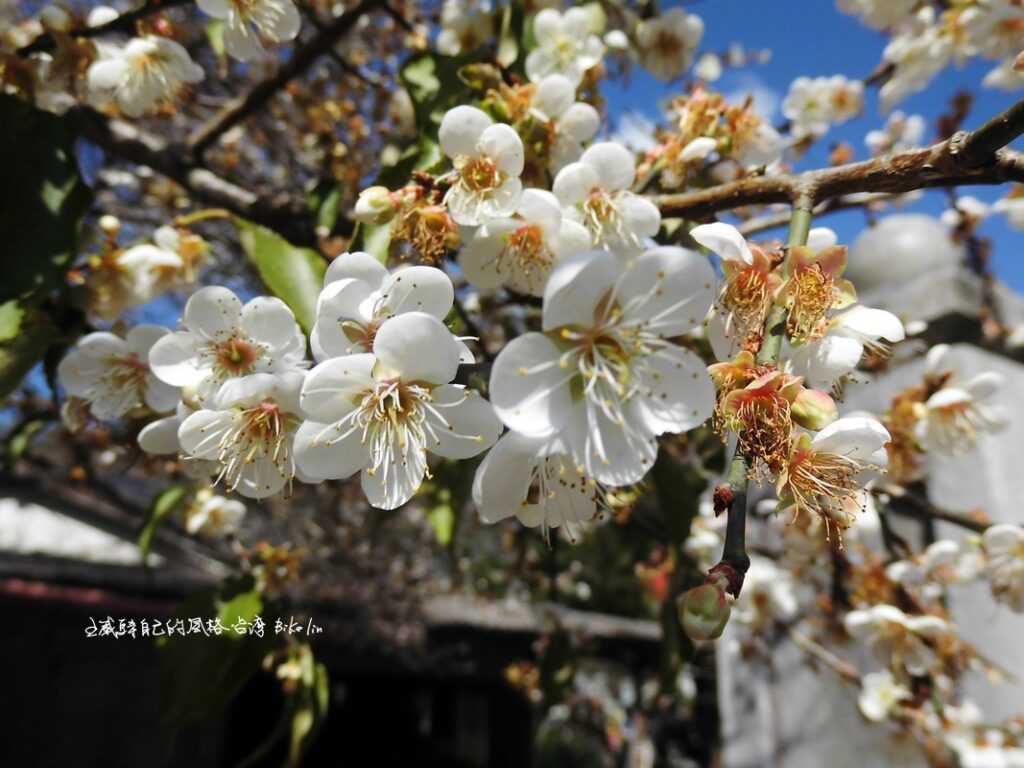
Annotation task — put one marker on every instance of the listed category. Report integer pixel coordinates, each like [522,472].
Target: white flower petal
[614,164]
[580,122]
[269,320]
[359,265]
[576,286]
[419,347]
[417,289]
[464,422]
[331,389]
[855,437]
[318,457]
[529,390]
[398,486]
[678,286]
[160,437]
[502,144]
[554,95]
[200,434]
[503,479]
[682,395]
[174,358]
[724,240]
[461,129]
[574,183]
[213,312]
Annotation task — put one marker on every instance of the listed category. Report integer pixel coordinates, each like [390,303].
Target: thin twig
[966,158]
[251,101]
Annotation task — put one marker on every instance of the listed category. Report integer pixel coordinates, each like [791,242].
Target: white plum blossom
[565,45]
[360,295]
[1004,77]
[535,480]
[969,211]
[603,374]
[596,192]
[769,595]
[959,413]
[942,563]
[827,474]
[994,29]
[918,53]
[145,73]
[897,638]
[247,21]
[879,14]
[248,429]
[222,339]
[465,26]
[666,42]
[880,694]
[1004,563]
[488,159]
[380,413]
[211,514]
[901,133]
[573,123]
[113,374]
[1013,208]
[708,67]
[520,251]
[814,104]
[823,362]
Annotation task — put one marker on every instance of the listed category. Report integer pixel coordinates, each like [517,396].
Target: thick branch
[979,157]
[124,23]
[289,217]
[241,107]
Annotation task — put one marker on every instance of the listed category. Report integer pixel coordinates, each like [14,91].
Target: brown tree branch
[124,23]
[238,109]
[291,218]
[977,157]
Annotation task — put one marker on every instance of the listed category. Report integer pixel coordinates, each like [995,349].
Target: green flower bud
[704,612]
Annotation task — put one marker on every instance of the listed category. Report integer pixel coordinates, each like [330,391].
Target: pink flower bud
[814,409]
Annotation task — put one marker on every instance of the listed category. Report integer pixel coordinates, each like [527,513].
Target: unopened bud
[375,206]
[100,15]
[704,611]
[55,18]
[813,409]
[111,225]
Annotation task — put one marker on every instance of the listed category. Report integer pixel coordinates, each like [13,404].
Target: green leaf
[42,199]
[200,674]
[18,443]
[34,334]
[442,520]
[423,76]
[325,200]
[164,503]
[215,34]
[10,320]
[293,274]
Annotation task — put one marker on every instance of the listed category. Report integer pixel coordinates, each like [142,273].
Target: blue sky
[811,37]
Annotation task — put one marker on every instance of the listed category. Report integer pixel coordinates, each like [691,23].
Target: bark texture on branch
[977,157]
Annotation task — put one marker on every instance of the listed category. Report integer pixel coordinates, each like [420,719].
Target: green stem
[775,324]
[734,551]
